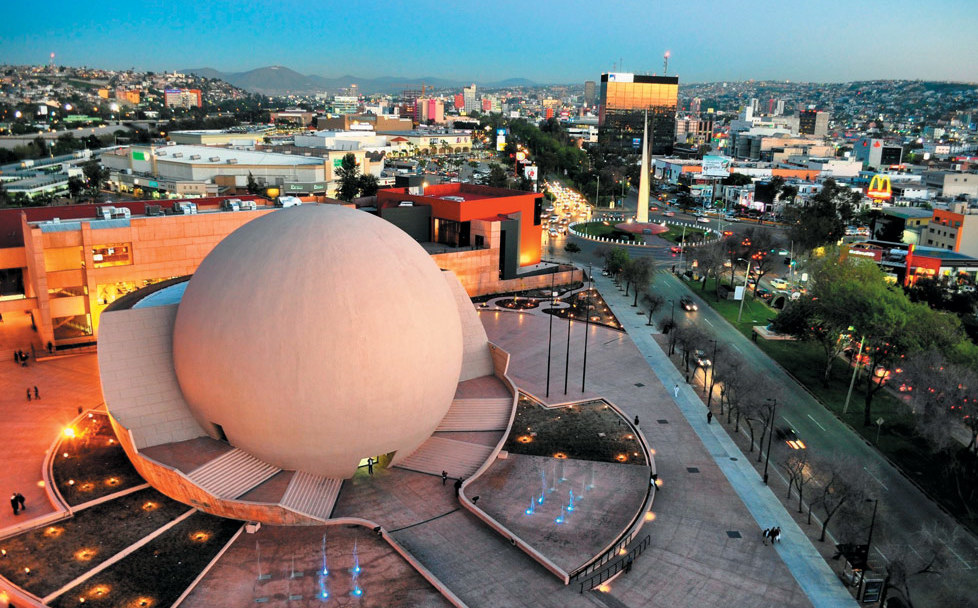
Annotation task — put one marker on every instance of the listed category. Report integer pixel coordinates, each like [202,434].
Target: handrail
[624,564]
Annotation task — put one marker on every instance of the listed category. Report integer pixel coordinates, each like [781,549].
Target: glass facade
[624,101]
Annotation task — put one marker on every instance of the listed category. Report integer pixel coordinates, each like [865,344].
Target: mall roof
[908,212]
[945,255]
[243,157]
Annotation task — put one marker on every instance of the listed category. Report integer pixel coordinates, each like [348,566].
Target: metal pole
[567,358]
[855,369]
[713,376]
[587,326]
[550,335]
[597,191]
[872,524]
[770,435]
[744,296]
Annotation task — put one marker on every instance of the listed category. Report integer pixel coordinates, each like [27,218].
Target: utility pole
[770,435]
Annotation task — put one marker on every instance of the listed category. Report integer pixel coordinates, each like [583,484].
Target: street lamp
[770,435]
[855,370]
[587,327]
[744,295]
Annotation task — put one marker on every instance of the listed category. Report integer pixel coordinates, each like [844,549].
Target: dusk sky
[548,42]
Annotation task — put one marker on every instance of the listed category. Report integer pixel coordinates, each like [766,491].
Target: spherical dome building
[318,336]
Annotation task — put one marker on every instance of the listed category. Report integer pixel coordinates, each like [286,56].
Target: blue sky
[545,41]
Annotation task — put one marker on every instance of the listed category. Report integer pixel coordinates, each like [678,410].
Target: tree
[368,185]
[824,219]
[349,178]
[95,176]
[654,302]
[838,484]
[616,260]
[497,177]
[709,260]
[253,187]
[572,248]
[639,272]
[760,246]
[737,179]
[928,553]
[75,186]
[799,473]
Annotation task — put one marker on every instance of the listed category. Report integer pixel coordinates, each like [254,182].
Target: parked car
[688,304]
[779,284]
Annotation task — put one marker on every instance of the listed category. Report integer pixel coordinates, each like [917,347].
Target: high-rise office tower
[623,102]
[813,122]
[590,92]
[468,98]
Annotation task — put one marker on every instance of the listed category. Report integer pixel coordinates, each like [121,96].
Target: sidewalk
[809,569]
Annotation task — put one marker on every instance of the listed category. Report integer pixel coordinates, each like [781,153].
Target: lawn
[581,306]
[96,464]
[897,440]
[60,552]
[604,229]
[159,572]
[675,234]
[583,431]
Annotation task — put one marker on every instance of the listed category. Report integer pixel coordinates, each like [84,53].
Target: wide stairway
[232,474]
[480,404]
[459,458]
[311,495]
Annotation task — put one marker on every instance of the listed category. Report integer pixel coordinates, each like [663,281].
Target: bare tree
[639,272]
[654,301]
[710,261]
[839,484]
[927,554]
[800,474]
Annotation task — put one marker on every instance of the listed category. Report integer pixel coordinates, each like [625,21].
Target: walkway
[819,582]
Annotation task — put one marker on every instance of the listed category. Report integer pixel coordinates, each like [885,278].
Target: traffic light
[787,261]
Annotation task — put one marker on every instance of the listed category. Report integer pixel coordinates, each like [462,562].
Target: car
[699,356]
[779,284]
[703,220]
[764,294]
[789,436]
[728,233]
[676,249]
[784,252]
[688,304]
[669,213]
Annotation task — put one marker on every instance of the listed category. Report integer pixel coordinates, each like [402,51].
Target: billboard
[716,166]
[530,171]
[500,143]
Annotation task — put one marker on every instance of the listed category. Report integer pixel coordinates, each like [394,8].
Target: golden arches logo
[879,188]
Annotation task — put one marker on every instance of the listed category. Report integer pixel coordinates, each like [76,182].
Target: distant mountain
[280,80]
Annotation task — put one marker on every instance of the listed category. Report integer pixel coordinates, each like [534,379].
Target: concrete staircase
[477,414]
[311,495]
[437,454]
[232,474]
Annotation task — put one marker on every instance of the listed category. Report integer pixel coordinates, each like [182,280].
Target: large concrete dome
[317,336]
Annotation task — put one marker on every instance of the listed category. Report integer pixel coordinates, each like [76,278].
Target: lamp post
[744,295]
[869,541]
[550,335]
[567,357]
[587,326]
[770,435]
[855,370]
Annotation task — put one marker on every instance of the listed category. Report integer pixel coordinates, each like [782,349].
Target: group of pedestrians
[21,357]
[772,533]
[37,394]
[17,502]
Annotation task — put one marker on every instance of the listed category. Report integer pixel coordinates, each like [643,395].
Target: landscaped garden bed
[590,430]
[43,560]
[605,229]
[155,575]
[90,463]
[587,304]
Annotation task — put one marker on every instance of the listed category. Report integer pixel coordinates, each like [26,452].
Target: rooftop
[169,154]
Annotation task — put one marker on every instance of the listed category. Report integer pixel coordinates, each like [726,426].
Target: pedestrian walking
[675,391]
[765,534]
[50,347]
[370,466]
[16,356]
[37,394]
[709,417]
[444,477]
[28,395]
[636,420]
[776,535]
[21,501]
[458,486]
[14,504]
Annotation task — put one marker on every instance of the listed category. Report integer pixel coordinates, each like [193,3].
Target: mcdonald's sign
[879,188]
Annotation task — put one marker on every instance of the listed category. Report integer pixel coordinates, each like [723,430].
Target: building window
[112,255]
[78,326]
[63,258]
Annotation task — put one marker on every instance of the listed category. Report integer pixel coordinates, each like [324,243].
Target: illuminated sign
[501,143]
[521,156]
[621,77]
[716,166]
[879,188]
[138,156]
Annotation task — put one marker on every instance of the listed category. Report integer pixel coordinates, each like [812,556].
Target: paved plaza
[705,541]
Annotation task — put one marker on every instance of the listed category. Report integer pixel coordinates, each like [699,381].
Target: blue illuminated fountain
[543,486]
[533,502]
[325,571]
[560,518]
[357,590]
[570,505]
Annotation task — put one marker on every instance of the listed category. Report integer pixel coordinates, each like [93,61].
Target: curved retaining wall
[600,239]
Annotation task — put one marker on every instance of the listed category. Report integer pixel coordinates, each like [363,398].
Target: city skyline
[547,44]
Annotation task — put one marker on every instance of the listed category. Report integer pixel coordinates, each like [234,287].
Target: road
[903,507]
